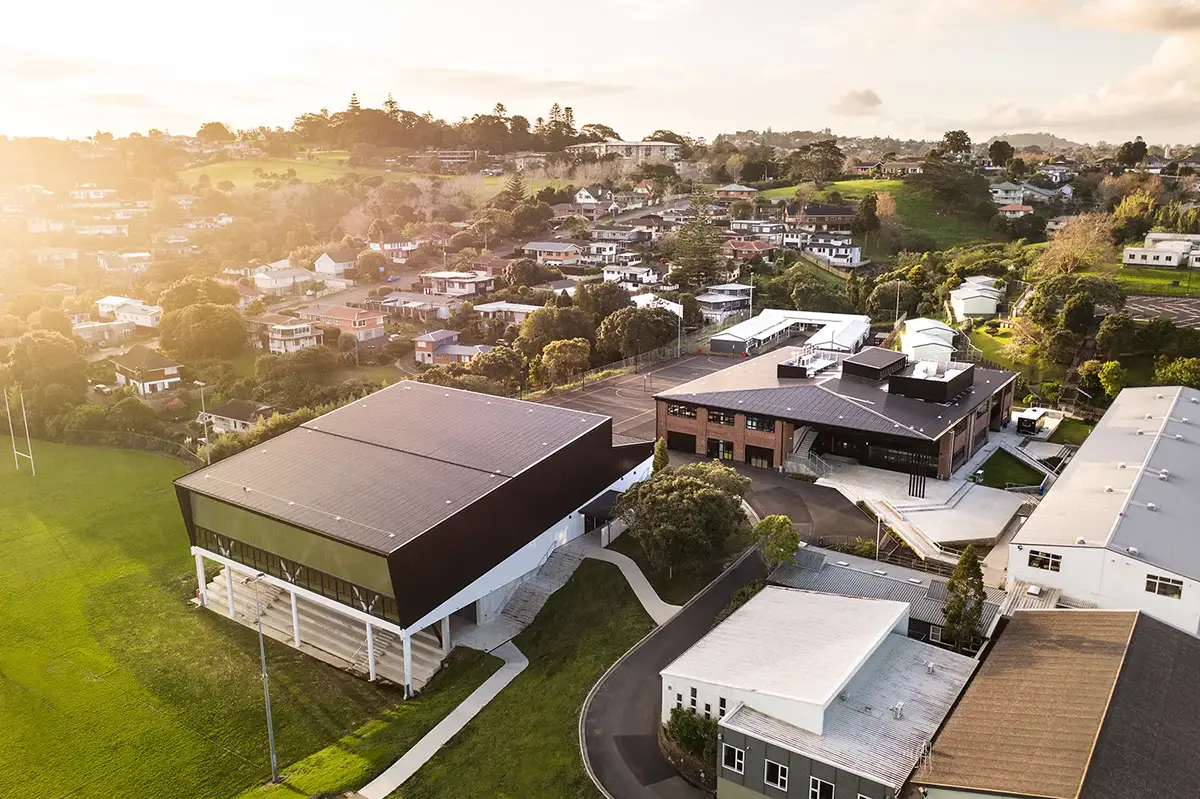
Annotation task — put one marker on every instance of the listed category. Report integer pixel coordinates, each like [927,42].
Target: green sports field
[111,683]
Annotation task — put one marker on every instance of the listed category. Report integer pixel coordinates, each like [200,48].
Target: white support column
[229,589]
[295,621]
[446,635]
[408,689]
[371,651]
[203,586]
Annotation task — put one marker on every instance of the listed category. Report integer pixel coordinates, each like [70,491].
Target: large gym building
[383,522]
[792,408]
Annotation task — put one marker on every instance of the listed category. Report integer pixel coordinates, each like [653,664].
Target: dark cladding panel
[929,390]
[874,363]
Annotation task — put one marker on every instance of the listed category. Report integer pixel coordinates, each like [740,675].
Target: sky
[1086,70]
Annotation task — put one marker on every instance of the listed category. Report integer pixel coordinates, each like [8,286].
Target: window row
[707,706]
[1045,560]
[1164,586]
[683,411]
[775,774]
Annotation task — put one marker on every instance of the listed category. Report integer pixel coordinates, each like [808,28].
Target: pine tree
[661,457]
[964,601]
[391,107]
[556,113]
[514,190]
[698,245]
[569,118]
[354,106]
[853,289]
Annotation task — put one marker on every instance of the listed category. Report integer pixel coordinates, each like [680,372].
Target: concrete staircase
[529,598]
[806,444]
[338,639]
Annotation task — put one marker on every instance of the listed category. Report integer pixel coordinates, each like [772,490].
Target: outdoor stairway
[1020,454]
[340,639]
[529,598]
[806,444]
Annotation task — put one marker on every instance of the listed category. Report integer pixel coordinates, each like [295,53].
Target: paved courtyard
[1184,310]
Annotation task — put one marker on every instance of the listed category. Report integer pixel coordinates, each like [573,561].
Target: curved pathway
[661,612]
[618,726]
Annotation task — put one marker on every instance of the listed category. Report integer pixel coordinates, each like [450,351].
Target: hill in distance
[1047,141]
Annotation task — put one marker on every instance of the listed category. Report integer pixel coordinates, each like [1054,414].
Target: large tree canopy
[193,290]
[203,331]
[552,324]
[633,331]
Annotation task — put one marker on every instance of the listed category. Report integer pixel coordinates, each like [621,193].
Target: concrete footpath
[447,728]
[661,612]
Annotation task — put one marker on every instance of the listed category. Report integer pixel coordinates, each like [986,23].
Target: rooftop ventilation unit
[1034,590]
[1150,506]
[1080,540]
[1178,437]
[930,666]
[880,571]
[897,710]
[843,563]
[1121,465]
[1108,489]
[914,581]
[1163,475]
[1156,396]
[1141,432]
[1132,550]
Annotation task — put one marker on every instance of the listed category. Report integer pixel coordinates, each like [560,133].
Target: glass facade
[720,417]
[760,423]
[720,449]
[335,588]
[683,411]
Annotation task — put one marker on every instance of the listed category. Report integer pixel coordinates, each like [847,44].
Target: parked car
[102,389]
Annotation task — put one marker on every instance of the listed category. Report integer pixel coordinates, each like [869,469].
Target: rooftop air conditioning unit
[1034,590]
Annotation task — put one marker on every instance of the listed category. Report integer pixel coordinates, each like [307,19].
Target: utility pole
[262,653]
[204,416]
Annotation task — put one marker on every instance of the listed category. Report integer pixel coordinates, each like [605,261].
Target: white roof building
[649,300]
[927,340]
[831,331]
[977,296]
[825,678]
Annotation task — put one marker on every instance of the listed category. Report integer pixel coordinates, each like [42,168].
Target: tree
[53,320]
[594,131]
[866,218]
[1115,336]
[215,131]
[698,245]
[777,540]
[132,416]
[956,143]
[1113,377]
[1177,372]
[43,358]
[1131,153]
[1089,375]
[1078,313]
[514,190]
[662,458]
[1083,243]
[719,475]
[810,293]
[1000,152]
[193,290]
[565,359]
[599,300]
[203,331]
[353,106]
[502,365]
[964,602]
[527,272]
[370,265]
[632,331]
[887,295]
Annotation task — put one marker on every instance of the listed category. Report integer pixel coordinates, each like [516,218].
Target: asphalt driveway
[621,719]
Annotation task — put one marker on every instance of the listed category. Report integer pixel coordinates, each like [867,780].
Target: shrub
[739,598]
[695,734]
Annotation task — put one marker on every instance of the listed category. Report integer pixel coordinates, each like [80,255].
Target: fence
[124,440]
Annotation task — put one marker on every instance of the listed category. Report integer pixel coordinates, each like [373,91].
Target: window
[721,706]
[679,701]
[733,759]
[693,700]
[720,449]
[760,423]
[707,710]
[1164,586]
[721,417]
[1045,560]
[775,775]
[935,634]
[819,789]
[684,411]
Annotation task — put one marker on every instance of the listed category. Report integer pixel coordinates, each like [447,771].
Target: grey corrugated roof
[819,570]
[877,357]
[860,735]
[394,464]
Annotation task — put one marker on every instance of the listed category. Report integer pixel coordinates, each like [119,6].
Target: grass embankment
[525,743]
[1155,282]
[357,758]
[679,587]
[992,347]
[111,683]
[1003,470]
[1070,431]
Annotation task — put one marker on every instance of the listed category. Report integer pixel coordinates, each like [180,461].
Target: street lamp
[204,416]
[262,653]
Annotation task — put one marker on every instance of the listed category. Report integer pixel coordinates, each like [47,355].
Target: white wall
[973,306]
[806,715]
[1111,580]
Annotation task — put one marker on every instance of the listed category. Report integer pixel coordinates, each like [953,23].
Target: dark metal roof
[602,506]
[141,357]
[379,472]
[247,410]
[876,357]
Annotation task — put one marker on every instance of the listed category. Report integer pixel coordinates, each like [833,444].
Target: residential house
[101,228]
[527,160]
[1038,195]
[1007,193]
[590,195]
[1061,174]
[902,168]
[758,230]
[184,201]
[559,286]
[106,306]
[816,695]
[1069,704]
[649,300]
[927,340]
[132,263]
[591,211]
[833,249]
[280,278]
[1165,251]
[394,247]
[90,192]
[57,256]
[334,262]
[207,222]
[645,189]
[1056,224]
[636,151]
[724,300]
[283,334]
[736,191]
[140,314]
[554,253]
[361,323]
[512,313]
[61,290]
[450,160]
[746,250]
[632,278]
[411,305]
[824,218]
[441,347]
[491,265]
[623,234]
[171,241]
[600,253]
[977,298]
[146,371]
[103,332]
[1015,211]
[1116,530]
[35,225]
[238,415]
[457,284]
[829,572]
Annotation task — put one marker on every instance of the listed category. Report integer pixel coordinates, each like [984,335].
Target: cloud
[28,66]
[499,82]
[1161,16]
[126,101]
[863,102]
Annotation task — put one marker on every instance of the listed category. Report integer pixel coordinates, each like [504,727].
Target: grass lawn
[1140,369]
[1150,281]
[991,347]
[680,587]
[357,758]
[1070,431]
[112,683]
[525,744]
[1002,470]
[386,373]
[824,275]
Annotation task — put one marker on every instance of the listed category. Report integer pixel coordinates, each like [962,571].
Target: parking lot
[629,400]
[1184,310]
